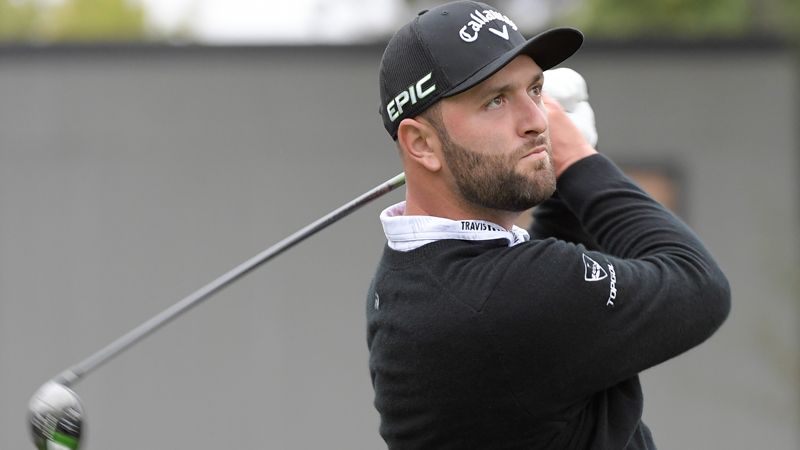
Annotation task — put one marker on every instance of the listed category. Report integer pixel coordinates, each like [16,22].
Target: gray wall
[129,177]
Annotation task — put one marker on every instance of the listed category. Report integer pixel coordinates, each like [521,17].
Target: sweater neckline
[406,233]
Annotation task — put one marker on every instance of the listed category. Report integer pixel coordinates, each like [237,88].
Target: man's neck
[427,195]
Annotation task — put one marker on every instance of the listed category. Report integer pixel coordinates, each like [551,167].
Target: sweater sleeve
[584,320]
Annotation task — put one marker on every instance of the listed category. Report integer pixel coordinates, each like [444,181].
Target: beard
[493,182]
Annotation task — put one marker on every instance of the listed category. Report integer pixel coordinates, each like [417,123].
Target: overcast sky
[320,21]
[232,21]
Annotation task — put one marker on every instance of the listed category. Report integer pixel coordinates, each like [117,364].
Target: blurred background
[148,146]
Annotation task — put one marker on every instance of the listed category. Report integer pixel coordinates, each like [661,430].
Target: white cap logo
[413,94]
[479,19]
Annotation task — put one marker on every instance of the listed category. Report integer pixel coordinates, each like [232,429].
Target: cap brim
[547,49]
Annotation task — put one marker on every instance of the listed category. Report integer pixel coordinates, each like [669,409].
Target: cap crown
[450,48]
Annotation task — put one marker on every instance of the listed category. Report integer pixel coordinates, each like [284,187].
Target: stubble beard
[493,182]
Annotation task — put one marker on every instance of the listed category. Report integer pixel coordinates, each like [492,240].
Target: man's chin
[543,183]
[541,171]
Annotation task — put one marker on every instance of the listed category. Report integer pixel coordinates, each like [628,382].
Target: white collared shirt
[406,233]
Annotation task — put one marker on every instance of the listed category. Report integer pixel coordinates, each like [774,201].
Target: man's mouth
[538,152]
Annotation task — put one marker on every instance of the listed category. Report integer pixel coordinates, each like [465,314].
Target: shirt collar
[406,233]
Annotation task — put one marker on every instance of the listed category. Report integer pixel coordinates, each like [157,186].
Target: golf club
[55,411]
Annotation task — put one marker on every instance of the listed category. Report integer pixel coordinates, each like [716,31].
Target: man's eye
[495,102]
[536,91]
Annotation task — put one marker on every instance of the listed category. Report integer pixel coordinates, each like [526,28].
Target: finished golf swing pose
[483,335]
[56,414]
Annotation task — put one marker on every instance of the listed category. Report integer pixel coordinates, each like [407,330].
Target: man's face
[495,141]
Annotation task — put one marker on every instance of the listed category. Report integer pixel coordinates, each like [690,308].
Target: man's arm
[595,318]
[585,320]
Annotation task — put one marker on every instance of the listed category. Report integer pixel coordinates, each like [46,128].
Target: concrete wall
[129,177]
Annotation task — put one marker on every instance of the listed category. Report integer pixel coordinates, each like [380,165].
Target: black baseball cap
[452,47]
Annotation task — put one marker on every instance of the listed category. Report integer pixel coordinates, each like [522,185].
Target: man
[479,337]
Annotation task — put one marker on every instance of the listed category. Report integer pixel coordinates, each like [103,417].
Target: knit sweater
[492,342]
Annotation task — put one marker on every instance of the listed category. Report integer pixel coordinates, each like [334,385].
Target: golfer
[481,336]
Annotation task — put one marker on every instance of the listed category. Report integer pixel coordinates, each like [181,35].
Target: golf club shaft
[78,371]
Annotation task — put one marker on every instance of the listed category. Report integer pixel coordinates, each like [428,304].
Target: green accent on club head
[64,440]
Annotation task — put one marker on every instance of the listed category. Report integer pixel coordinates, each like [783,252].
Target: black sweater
[478,345]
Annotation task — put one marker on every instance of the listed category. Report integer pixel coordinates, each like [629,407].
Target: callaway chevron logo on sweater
[594,271]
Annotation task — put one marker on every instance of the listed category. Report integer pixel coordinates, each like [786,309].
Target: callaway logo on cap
[450,48]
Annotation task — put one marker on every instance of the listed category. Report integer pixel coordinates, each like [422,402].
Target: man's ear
[420,143]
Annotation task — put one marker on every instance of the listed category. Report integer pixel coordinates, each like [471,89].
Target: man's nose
[532,118]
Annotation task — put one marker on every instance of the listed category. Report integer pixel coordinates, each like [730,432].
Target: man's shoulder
[450,251]
[465,270]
